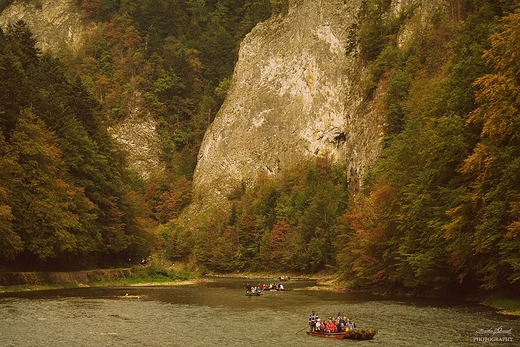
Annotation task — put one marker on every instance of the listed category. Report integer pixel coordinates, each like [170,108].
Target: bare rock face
[137,135]
[295,94]
[54,23]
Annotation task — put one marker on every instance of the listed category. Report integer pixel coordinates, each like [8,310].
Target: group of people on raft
[260,287]
[332,325]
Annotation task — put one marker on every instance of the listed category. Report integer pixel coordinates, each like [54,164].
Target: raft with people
[357,334]
[339,327]
[254,293]
[272,287]
[260,288]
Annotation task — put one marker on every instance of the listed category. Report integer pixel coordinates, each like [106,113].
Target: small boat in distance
[253,293]
[356,334]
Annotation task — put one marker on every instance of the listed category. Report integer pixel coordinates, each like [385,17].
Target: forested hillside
[175,59]
[439,214]
[68,199]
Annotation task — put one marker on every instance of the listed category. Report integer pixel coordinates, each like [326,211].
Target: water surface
[218,313]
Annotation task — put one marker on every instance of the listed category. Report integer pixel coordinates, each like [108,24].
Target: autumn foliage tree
[286,223]
[368,239]
[494,163]
[10,241]
[440,209]
[66,197]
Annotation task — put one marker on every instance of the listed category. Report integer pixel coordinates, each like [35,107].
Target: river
[218,313]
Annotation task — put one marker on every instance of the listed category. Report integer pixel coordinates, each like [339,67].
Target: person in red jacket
[330,327]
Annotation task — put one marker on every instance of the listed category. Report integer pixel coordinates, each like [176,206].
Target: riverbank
[506,306]
[13,279]
[156,275]
[151,274]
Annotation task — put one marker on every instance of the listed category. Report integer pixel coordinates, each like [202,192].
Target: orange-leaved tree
[495,162]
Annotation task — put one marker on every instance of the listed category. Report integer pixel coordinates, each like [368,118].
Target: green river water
[218,313]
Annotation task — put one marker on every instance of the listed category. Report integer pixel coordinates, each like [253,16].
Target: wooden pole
[302,329]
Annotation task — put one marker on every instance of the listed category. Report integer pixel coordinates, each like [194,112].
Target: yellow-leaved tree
[495,161]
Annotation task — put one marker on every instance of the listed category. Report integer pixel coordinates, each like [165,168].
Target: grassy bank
[154,273]
[510,306]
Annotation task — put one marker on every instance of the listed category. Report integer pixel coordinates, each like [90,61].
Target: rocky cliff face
[295,94]
[55,23]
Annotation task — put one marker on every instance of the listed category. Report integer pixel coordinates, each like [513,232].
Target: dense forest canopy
[67,198]
[439,213]
[65,194]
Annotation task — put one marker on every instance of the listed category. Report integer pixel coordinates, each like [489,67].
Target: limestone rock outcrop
[294,94]
[54,23]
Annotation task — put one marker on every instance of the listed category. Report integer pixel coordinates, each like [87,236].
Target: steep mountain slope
[295,94]
[58,25]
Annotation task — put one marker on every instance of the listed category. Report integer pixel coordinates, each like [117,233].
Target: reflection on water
[218,313]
